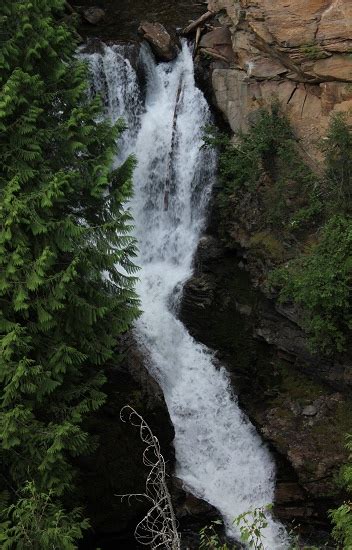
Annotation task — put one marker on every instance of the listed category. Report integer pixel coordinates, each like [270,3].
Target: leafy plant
[209,538]
[266,159]
[337,148]
[320,279]
[242,161]
[342,516]
[252,525]
[36,522]
[320,282]
[313,52]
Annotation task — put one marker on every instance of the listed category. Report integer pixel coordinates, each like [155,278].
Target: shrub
[268,149]
[320,282]
[338,154]
[342,517]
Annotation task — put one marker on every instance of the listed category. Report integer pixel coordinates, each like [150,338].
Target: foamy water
[219,455]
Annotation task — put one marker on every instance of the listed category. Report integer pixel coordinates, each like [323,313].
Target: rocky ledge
[298,51]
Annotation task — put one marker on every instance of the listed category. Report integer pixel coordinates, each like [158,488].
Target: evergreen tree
[66,270]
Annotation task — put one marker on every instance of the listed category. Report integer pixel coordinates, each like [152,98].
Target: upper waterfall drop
[220,457]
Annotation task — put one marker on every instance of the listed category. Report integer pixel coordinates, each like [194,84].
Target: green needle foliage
[268,150]
[338,154]
[66,270]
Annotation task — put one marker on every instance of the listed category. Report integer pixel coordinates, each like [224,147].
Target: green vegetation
[264,170]
[320,280]
[313,52]
[342,517]
[66,284]
[251,525]
[266,161]
[36,521]
[338,153]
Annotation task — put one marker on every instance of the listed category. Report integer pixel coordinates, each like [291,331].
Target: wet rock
[189,505]
[245,309]
[289,492]
[162,44]
[274,389]
[94,15]
[209,248]
[198,292]
[314,440]
[310,410]
[193,514]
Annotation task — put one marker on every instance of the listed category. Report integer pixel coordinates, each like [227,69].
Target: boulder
[162,44]
[94,15]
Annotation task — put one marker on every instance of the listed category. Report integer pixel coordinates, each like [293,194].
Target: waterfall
[219,455]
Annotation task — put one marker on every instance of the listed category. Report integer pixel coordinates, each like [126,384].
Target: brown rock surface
[309,433]
[297,51]
[338,67]
[220,41]
[159,39]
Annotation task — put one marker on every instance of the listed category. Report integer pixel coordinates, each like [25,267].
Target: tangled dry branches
[158,529]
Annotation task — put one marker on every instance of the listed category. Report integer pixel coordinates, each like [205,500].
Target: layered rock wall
[298,51]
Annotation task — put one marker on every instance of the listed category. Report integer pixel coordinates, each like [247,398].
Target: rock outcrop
[281,388]
[298,51]
[162,44]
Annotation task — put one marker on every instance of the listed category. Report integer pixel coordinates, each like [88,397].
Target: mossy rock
[266,244]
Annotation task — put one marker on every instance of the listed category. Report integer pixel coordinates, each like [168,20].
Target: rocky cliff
[299,51]
[303,418]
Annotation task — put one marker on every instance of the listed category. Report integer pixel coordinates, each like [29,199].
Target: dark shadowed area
[123,17]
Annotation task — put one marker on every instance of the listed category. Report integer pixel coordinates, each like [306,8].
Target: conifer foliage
[66,269]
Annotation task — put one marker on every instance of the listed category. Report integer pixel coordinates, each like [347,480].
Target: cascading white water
[220,457]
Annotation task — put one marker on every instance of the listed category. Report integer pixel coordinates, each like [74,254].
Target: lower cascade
[220,457]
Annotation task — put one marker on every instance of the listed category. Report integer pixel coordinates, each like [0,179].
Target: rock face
[163,46]
[282,390]
[218,44]
[297,51]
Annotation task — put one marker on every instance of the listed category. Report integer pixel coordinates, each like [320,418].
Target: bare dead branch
[158,529]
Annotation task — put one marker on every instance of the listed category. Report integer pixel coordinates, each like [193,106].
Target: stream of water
[219,455]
